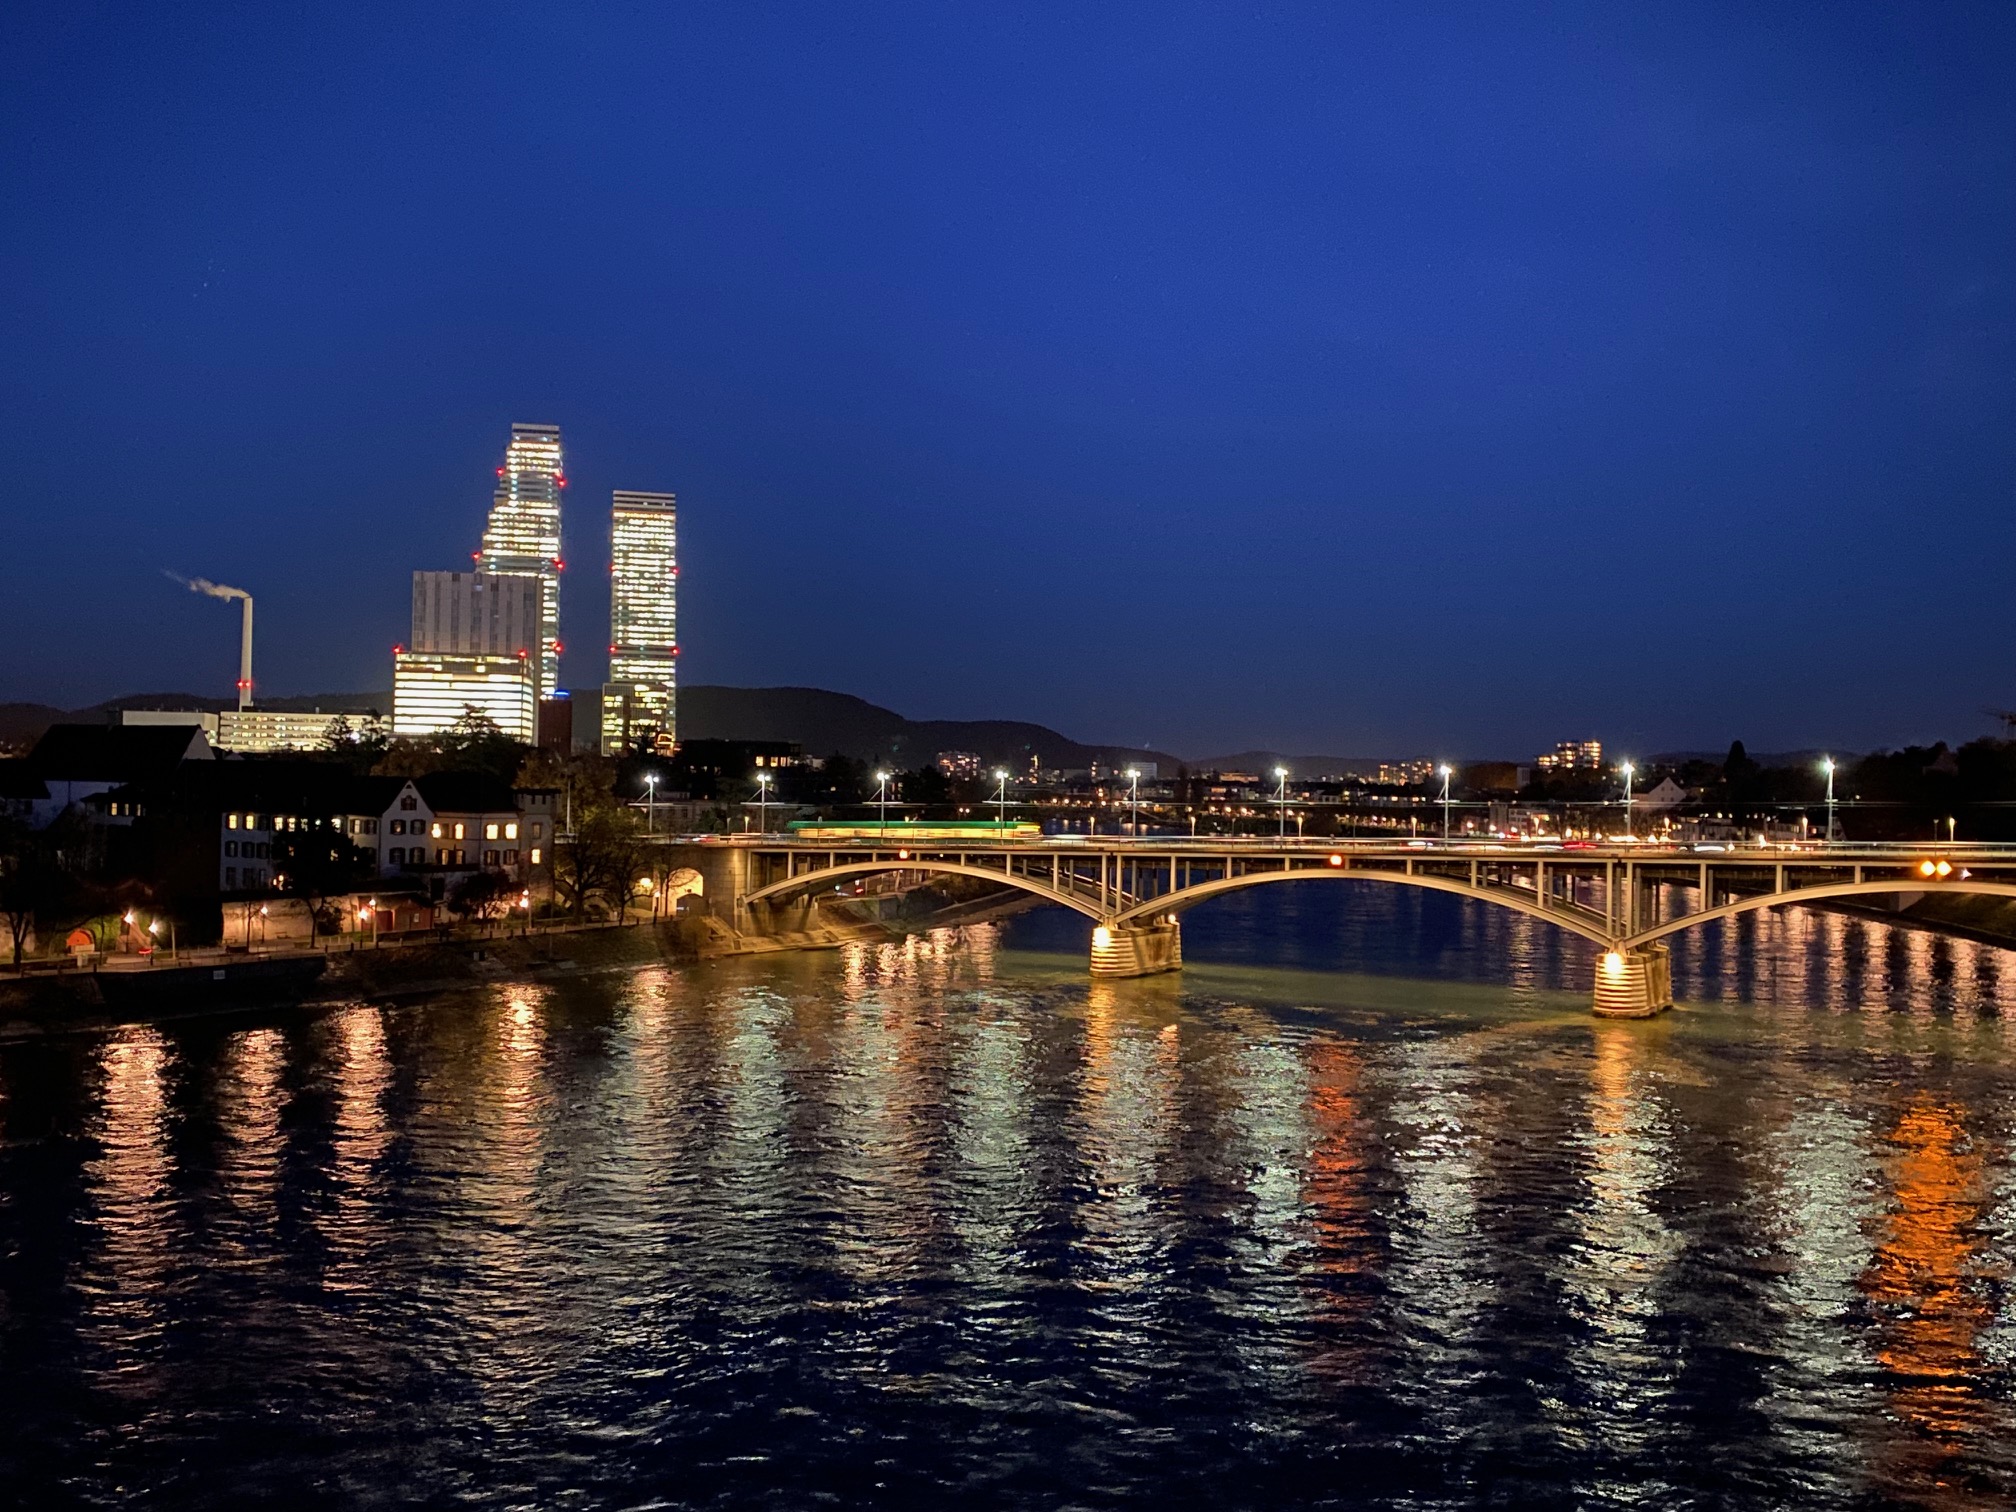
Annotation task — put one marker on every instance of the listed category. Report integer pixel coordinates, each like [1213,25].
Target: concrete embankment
[73,1000]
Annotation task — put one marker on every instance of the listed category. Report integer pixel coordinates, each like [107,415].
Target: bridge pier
[1136,950]
[1634,983]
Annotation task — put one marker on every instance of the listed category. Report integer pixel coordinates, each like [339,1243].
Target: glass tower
[523,537]
[641,696]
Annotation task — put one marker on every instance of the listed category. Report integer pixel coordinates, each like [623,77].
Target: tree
[601,858]
[315,863]
[472,744]
[42,887]
[483,896]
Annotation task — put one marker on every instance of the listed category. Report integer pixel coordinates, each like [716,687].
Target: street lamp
[1827,766]
[1001,798]
[651,803]
[1281,798]
[1446,771]
[1627,769]
[763,801]
[1134,802]
[882,798]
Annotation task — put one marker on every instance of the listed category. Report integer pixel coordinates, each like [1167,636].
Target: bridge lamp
[1445,771]
[1001,798]
[1827,766]
[882,796]
[763,801]
[651,802]
[1336,860]
[1613,964]
[1134,800]
[1281,797]
[1629,771]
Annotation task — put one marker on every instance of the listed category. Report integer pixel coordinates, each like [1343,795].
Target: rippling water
[1364,1209]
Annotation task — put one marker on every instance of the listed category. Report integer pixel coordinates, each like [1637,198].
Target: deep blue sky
[1376,379]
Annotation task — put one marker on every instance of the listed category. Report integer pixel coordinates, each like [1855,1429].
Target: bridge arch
[1501,897]
[809,881]
[1797,895]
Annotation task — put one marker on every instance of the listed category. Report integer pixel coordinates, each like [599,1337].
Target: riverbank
[195,984]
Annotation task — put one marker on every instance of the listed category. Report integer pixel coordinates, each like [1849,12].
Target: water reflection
[929,1223]
[1928,1286]
[130,1209]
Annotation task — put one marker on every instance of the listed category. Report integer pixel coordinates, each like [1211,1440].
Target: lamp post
[1627,769]
[525,907]
[1281,798]
[882,798]
[763,802]
[651,803]
[1134,802]
[1446,772]
[1001,798]
[1827,766]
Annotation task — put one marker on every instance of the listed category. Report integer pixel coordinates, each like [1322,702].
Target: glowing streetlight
[1446,772]
[1827,766]
[763,801]
[1134,801]
[1001,798]
[651,803]
[882,798]
[1628,770]
[1281,798]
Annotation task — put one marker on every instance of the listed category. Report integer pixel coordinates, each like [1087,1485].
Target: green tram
[912,831]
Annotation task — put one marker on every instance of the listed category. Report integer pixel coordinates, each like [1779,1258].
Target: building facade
[431,691]
[523,535]
[640,699]
[263,731]
[476,614]
[1572,756]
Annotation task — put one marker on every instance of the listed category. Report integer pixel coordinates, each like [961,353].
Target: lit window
[461,832]
[436,832]
[230,821]
[489,832]
[535,855]
[511,832]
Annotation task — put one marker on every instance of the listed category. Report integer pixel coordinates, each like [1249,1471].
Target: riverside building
[523,535]
[640,699]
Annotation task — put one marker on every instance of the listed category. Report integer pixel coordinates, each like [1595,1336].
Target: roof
[18,781]
[467,793]
[115,753]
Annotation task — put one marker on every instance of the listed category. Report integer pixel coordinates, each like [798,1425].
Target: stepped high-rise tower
[523,536]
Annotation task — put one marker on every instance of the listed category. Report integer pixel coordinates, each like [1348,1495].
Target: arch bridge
[1623,897]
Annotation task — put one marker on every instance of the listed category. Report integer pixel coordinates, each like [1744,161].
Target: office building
[640,699]
[523,536]
[432,691]
[476,614]
[263,731]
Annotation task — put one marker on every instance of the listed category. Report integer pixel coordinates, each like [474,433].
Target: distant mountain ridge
[828,723]
[825,723]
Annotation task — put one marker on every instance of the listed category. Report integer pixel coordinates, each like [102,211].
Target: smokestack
[224,591]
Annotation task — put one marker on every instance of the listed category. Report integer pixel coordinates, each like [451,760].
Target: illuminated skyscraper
[641,696]
[523,538]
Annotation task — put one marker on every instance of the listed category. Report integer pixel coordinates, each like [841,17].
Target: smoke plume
[204,585]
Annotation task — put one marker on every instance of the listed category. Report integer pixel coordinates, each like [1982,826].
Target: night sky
[1368,379]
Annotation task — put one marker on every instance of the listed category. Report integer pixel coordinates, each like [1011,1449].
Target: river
[1363,1209]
